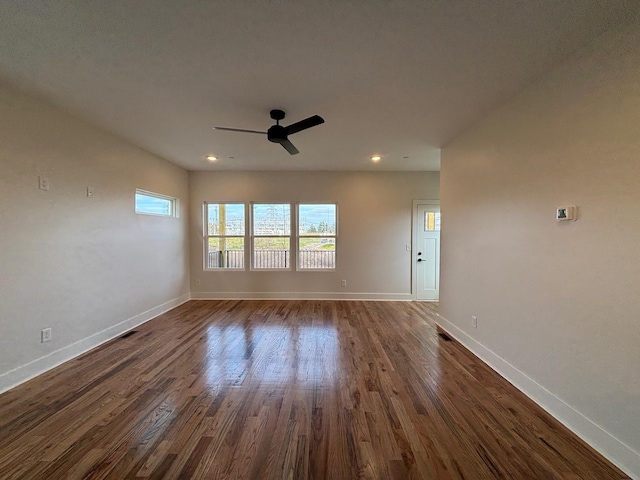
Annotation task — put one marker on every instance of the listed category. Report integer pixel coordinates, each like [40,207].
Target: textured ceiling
[397,78]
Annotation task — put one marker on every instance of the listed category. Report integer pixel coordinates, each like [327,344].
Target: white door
[427,252]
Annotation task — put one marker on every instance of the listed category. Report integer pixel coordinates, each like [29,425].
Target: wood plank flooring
[284,390]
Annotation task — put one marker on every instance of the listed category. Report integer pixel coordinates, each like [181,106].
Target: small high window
[149,203]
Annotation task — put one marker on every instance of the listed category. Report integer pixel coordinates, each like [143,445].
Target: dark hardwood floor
[284,390]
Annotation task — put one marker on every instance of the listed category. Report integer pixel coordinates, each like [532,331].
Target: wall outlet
[197,281]
[407,247]
[474,322]
[43,183]
[343,283]
[45,335]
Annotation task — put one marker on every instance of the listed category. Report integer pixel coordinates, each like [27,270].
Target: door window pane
[431,221]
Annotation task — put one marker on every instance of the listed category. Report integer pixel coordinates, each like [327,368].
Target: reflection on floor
[284,389]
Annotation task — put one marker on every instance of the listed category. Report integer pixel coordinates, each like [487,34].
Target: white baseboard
[620,454]
[390,297]
[25,372]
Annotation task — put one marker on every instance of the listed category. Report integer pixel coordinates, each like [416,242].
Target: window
[271,235]
[317,233]
[431,221]
[224,235]
[149,203]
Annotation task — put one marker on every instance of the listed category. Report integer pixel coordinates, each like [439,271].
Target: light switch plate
[43,183]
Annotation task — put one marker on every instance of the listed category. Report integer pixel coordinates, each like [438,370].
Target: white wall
[374,211]
[89,268]
[558,305]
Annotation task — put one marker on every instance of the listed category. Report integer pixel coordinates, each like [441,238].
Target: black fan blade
[304,124]
[289,147]
[242,130]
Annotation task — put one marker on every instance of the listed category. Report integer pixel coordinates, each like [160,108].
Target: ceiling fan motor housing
[277,134]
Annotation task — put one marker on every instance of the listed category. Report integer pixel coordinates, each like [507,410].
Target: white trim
[414,241]
[390,297]
[613,449]
[36,367]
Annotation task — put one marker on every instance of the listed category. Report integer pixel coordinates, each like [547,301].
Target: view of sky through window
[271,219]
[154,205]
[226,218]
[317,219]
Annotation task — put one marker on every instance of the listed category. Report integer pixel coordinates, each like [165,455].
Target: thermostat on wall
[567,214]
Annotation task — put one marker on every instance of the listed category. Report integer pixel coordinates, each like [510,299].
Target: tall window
[317,233]
[271,235]
[224,236]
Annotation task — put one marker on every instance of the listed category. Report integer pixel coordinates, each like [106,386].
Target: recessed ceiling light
[212,158]
[376,158]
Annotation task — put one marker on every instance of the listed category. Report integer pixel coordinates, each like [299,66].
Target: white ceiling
[399,78]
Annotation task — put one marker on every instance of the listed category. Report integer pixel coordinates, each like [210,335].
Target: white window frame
[253,236]
[207,236]
[298,237]
[173,202]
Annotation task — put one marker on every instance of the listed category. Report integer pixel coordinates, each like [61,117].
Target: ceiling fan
[280,134]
